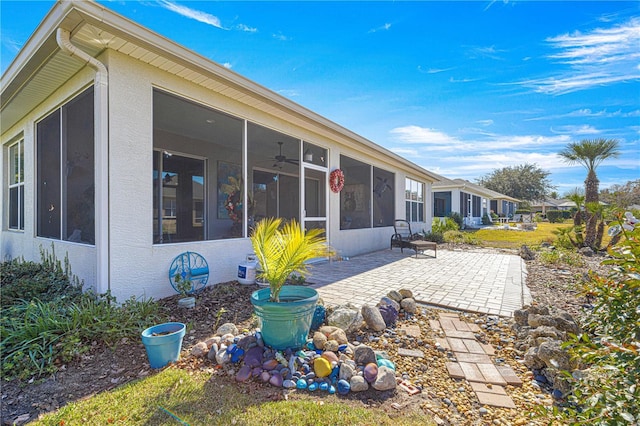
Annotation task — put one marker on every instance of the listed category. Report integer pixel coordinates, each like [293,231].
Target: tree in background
[590,153]
[526,182]
[623,195]
[554,195]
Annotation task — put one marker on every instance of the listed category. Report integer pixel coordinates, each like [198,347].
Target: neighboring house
[547,203]
[470,200]
[123,149]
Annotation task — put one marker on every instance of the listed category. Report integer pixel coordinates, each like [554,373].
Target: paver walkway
[472,361]
[483,280]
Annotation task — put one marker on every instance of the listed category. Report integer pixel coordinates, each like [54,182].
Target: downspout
[101,154]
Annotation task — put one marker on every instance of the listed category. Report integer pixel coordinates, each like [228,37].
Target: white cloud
[280,36]
[246,28]
[600,57]
[187,12]
[384,27]
[485,123]
[584,129]
[227,65]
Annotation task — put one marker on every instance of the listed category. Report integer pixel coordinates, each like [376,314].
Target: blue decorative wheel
[189,266]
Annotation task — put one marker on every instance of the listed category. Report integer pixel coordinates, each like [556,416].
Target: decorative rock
[270,364]
[339,336]
[409,305]
[332,390]
[331,345]
[364,355]
[243,374]
[319,316]
[347,370]
[227,328]
[386,379]
[330,356]
[288,384]
[395,295]
[358,384]
[324,386]
[222,356]
[346,317]
[389,314]
[373,318]
[253,357]
[343,387]
[247,342]
[265,376]
[237,355]
[212,353]
[312,387]
[554,356]
[386,363]
[319,340]
[370,372]
[301,384]
[276,380]
[406,293]
[199,350]
[321,367]
[521,316]
[387,301]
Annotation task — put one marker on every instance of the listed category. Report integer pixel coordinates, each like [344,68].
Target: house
[470,200]
[123,149]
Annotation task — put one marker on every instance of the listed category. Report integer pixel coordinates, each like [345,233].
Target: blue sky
[459,88]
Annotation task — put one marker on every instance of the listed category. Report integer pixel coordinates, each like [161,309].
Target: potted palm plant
[285,311]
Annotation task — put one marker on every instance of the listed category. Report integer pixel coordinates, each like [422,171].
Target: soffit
[95,28]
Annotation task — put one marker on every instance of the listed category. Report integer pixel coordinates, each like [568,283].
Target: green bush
[460,237]
[610,346]
[45,319]
[436,237]
[566,214]
[441,226]
[554,216]
[523,211]
[557,257]
[457,218]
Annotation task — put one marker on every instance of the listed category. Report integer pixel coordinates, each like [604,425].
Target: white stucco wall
[25,244]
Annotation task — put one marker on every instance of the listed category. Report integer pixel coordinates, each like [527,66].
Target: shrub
[566,214]
[436,237]
[609,391]
[557,257]
[523,211]
[457,218]
[554,216]
[53,322]
[486,220]
[460,237]
[441,226]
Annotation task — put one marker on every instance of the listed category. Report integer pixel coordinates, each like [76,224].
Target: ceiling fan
[281,159]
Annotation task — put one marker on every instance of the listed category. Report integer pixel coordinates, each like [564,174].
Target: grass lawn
[175,396]
[502,238]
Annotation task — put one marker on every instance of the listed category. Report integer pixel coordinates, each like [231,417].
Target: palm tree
[578,199]
[590,153]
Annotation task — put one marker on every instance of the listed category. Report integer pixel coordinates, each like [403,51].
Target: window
[65,158]
[383,197]
[442,203]
[355,197]
[368,196]
[414,200]
[274,172]
[198,190]
[476,202]
[16,185]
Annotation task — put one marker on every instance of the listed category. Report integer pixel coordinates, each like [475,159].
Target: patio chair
[404,238]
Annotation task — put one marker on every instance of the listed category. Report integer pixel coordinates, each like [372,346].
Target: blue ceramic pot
[163,343]
[285,324]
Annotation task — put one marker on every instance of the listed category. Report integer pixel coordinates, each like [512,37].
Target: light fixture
[308,156]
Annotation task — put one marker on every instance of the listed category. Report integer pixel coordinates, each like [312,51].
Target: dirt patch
[450,401]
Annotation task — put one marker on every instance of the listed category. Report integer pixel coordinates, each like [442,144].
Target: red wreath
[336,180]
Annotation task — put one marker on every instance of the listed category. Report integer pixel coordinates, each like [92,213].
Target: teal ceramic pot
[285,324]
[163,343]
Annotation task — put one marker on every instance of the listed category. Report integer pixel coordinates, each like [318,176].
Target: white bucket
[247,273]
